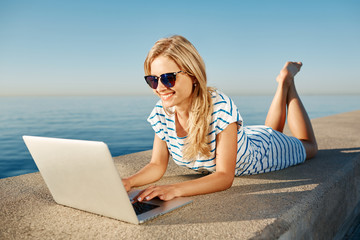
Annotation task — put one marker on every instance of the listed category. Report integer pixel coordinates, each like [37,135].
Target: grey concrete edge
[292,225]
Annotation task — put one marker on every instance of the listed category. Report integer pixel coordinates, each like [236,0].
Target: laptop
[81,174]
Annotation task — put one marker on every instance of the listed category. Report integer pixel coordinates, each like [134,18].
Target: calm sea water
[118,121]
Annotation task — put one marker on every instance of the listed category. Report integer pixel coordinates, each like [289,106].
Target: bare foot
[288,73]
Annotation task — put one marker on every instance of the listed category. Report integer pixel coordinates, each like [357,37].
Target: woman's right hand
[154,170]
[126,184]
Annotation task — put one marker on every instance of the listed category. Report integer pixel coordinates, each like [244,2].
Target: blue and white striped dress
[260,148]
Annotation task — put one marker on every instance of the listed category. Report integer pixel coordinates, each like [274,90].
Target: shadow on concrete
[259,197]
[264,196]
[239,203]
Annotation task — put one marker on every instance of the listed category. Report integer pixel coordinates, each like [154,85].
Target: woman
[201,128]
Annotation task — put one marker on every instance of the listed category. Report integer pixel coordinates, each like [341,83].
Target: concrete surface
[314,200]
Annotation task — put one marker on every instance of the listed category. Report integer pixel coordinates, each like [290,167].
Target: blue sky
[98,47]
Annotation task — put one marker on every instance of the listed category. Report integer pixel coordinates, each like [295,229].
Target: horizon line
[152,94]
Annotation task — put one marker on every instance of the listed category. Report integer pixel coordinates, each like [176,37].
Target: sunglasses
[168,79]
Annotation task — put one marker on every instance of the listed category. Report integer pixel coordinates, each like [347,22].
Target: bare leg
[298,120]
[276,116]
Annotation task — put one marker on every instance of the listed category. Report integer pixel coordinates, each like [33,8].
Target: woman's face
[180,94]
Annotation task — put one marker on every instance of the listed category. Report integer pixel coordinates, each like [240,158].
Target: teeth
[166,96]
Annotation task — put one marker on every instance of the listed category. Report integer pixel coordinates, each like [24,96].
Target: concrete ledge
[314,200]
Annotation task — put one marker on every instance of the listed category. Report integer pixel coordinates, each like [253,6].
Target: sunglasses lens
[151,81]
[168,79]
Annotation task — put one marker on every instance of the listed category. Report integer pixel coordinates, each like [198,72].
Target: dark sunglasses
[168,79]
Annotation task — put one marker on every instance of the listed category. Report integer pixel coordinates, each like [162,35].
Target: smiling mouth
[165,97]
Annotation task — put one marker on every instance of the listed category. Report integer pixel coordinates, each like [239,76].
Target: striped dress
[260,149]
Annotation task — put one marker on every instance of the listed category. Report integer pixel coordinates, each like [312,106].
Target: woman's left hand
[164,192]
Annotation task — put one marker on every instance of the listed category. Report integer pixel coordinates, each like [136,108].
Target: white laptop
[81,174]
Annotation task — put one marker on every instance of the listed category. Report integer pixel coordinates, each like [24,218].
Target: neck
[182,111]
[182,114]
[181,122]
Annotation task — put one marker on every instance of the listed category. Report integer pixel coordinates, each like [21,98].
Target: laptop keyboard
[141,207]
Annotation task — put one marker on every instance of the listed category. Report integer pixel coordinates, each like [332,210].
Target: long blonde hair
[185,55]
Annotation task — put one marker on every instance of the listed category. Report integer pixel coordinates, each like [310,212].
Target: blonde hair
[185,55]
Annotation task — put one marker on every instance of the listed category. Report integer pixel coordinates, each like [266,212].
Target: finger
[160,192]
[152,192]
[136,197]
[155,193]
[143,195]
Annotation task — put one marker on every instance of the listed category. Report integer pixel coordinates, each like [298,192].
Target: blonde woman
[201,128]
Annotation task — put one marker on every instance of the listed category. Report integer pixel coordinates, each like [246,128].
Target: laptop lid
[81,174]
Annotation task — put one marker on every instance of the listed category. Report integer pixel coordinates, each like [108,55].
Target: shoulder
[157,112]
[222,103]
[159,121]
[225,111]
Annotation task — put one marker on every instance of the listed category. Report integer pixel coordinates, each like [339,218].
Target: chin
[167,104]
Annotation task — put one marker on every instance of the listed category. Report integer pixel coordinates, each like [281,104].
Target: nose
[160,86]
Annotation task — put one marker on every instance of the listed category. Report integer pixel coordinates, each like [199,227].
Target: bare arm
[220,180]
[154,170]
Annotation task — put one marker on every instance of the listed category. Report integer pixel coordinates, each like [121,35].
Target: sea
[119,121]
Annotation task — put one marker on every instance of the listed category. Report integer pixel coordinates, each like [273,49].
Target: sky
[98,47]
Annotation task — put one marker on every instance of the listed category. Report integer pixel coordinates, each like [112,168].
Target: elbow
[157,170]
[227,181]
